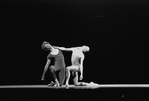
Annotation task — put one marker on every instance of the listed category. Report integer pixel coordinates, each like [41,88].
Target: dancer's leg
[62,76]
[67,76]
[75,79]
[68,69]
[54,75]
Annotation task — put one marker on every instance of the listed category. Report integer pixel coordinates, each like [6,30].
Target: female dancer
[59,64]
[77,63]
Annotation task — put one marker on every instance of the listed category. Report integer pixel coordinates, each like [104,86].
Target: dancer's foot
[51,83]
[56,85]
[67,85]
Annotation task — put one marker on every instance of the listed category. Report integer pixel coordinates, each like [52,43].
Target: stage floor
[96,86]
[100,92]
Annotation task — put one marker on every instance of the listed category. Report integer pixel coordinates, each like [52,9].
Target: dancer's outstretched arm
[66,49]
[61,48]
[45,69]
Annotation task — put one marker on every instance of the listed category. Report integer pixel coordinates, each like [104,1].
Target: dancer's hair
[44,47]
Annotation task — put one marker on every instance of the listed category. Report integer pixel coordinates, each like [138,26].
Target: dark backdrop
[115,31]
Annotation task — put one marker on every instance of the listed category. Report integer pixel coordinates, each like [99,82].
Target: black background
[116,32]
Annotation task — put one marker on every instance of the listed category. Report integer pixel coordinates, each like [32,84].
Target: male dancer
[77,66]
[59,64]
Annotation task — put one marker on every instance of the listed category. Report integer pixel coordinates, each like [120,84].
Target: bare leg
[54,75]
[62,76]
[67,76]
[68,69]
[75,80]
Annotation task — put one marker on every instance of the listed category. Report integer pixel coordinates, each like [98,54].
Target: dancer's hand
[42,78]
[81,77]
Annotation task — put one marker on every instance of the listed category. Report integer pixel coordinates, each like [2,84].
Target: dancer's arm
[45,69]
[81,67]
[61,48]
[66,49]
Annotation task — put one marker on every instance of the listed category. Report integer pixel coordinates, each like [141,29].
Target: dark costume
[59,65]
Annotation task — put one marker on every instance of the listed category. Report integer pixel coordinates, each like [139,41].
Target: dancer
[77,59]
[59,64]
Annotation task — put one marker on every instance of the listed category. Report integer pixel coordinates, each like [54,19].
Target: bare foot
[67,85]
[56,85]
[51,83]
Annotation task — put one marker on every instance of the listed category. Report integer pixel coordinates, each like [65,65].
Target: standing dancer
[59,63]
[77,63]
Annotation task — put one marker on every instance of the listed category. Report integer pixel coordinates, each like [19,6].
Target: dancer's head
[46,45]
[85,48]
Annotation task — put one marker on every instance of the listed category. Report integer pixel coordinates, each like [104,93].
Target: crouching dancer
[59,64]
